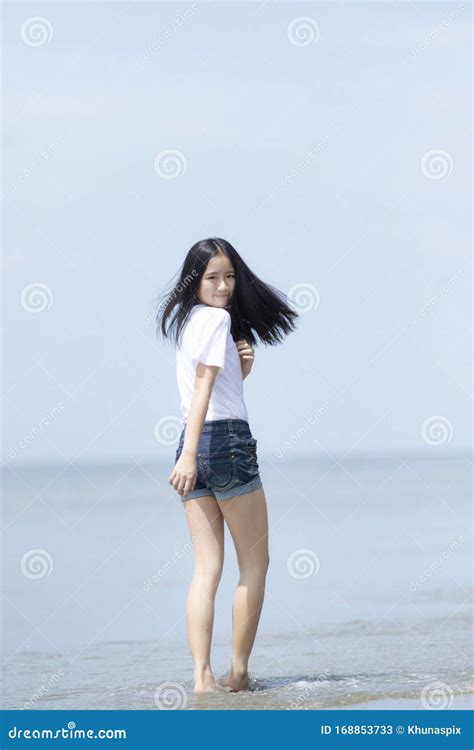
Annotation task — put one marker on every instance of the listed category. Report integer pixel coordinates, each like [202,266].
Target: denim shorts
[227,463]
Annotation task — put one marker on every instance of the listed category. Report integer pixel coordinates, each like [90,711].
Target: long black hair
[256,308]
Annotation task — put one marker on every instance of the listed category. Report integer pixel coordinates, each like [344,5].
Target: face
[218,282]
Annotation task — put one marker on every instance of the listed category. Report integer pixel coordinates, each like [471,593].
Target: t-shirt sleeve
[210,341]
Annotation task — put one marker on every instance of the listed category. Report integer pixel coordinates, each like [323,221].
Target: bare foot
[236,681]
[208,684]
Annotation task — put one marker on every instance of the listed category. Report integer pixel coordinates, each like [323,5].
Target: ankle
[202,671]
[239,670]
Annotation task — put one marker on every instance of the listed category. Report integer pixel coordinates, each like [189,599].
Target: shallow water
[373,612]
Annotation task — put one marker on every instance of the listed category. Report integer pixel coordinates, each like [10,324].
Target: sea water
[367,602]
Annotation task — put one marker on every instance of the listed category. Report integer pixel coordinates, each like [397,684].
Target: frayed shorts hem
[242,489]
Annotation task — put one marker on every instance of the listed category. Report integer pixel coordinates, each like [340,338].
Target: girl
[217,305]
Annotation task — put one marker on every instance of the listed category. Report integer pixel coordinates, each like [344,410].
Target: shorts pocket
[218,469]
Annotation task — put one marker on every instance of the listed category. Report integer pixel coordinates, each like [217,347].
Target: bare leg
[246,517]
[206,525]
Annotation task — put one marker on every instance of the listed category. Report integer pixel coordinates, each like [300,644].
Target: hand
[184,475]
[246,354]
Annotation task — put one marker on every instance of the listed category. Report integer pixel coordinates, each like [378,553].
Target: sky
[328,142]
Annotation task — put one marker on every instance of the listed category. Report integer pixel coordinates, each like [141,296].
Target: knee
[256,568]
[208,578]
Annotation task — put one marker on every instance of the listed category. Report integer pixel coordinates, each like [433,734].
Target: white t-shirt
[206,338]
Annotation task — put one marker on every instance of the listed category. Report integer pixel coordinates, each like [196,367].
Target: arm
[183,477]
[203,385]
